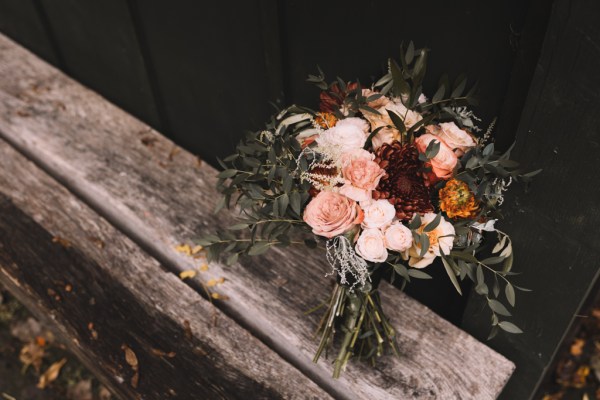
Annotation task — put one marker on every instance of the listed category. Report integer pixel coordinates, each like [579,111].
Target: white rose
[379,214]
[354,121]
[409,117]
[371,246]
[441,239]
[341,139]
[398,237]
[458,139]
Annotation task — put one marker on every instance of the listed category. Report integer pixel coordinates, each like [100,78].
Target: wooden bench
[88,237]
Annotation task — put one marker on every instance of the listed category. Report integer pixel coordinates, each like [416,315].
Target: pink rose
[378,214]
[361,175]
[398,237]
[331,214]
[371,246]
[457,139]
[443,163]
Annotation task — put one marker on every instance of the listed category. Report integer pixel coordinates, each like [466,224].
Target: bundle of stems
[365,328]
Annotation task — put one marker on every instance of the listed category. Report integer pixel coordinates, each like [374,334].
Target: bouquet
[383,181]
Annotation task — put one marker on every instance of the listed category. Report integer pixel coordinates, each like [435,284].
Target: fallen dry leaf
[204,267]
[577,347]
[51,374]
[62,241]
[32,354]
[130,357]
[215,282]
[160,353]
[185,249]
[173,153]
[197,249]
[218,296]
[190,273]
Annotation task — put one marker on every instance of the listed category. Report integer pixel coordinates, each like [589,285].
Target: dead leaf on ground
[204,267]
[577,347]
[130,357]
[190,273]
[51,374]
[215,282]
[62,241]
[184,249]
[149,141]
[32,354]
[218,296]
[173,153]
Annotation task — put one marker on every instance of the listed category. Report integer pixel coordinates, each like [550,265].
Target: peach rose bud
[371,246]
[442,165]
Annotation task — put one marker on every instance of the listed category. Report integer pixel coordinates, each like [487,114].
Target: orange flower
[326,120]
[456,200]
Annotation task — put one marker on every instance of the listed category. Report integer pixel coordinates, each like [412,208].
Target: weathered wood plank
[555,225]
[161,196]
[104,294]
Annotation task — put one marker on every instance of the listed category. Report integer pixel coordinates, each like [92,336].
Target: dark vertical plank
[211,70]
[21,21]
[354,39]
[100,49]
[555,225]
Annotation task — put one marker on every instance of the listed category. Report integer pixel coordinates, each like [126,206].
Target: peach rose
[378,214]
[441,239]
[380,102]
[331,214]
[409,117]
[361,175]
[371,246]
[457,139]
[398,237]
[445,160]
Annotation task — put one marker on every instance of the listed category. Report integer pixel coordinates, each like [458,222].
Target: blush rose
[457,139]
[330,214]
[442,165]
[371,246]
[361,175]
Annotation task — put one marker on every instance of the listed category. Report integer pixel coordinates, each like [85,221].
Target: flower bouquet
[383,180]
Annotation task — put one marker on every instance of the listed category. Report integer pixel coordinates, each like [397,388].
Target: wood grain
[162,196]
[108,298]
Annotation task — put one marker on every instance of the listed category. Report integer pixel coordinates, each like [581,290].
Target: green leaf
[459,86]
[492,260]
[432,149]
[401,270]
[488,150]
[401,87]
[424,240]
[397,121]
[220,204]
[296,202]
[433,224]
[493,332]
[415,222]
[498,307]
[415,273]
[232,259]
[228,173]
[509,327]
[531,174]
[410,53]
[480,277]
[238,227]
[283,201]
[439,94]
[509,291]
[259,248]
[451,275]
